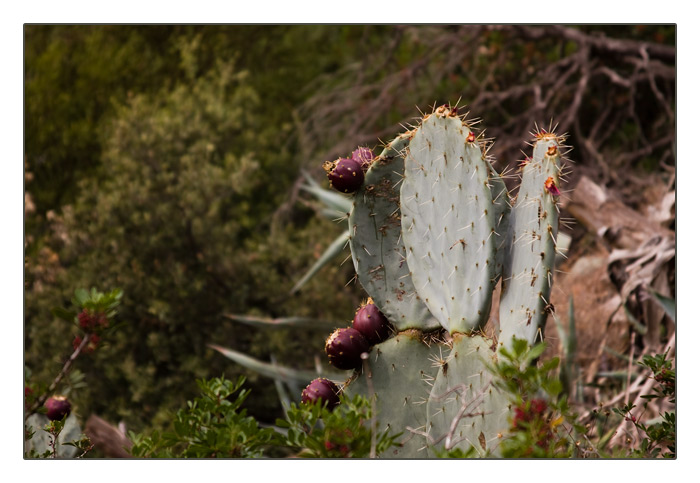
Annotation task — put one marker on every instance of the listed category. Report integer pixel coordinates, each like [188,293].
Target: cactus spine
[431,233]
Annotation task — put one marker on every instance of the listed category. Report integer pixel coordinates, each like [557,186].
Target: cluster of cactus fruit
[433,230]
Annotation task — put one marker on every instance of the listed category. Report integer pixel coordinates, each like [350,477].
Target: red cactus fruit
[57,407]
[322,389]
[372,324]
[363,156]
[345,174]
[344,348]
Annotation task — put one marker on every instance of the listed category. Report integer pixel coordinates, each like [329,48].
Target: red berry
[538,406]
[345,174]
[363,156]
[372,324]
[344,348]
[322,389]
[86,320]
[57,407]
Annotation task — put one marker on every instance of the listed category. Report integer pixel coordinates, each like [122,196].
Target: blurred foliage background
[165,161]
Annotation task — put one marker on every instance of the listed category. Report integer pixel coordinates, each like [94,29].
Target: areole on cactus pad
[432,232]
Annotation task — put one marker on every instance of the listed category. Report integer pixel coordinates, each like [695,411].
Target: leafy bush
[181,218]
[658,438]
[212,426]
[215,426]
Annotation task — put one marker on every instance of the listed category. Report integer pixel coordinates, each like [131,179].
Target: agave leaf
[331,252]
[275,371]
[335,201]
[668,304]
[283,322]
[280,386]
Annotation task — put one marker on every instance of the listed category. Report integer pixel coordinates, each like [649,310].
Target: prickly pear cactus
[378,251]
[432,232]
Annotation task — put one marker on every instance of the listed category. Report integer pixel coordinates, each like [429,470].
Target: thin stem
[66,367]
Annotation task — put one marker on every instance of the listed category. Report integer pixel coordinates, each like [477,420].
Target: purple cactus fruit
[322,389]
[363,156]
[344,348]
[57,407]
[345,174]
[372,324]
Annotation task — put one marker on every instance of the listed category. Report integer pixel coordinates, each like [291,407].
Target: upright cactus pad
[448,222]
[534,221]
[376,245]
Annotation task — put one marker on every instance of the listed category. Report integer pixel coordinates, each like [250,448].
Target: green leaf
[333,250]
[283,322]
[334,201]
[668,304]
[550,364]
[552,387]
[536,351]
[81,296]
[64,314]
[274,371]
[519,347]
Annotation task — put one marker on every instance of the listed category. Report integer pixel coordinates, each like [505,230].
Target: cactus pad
[465,409]
[401,370]
[377,249]
[448,222]
[534,220]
